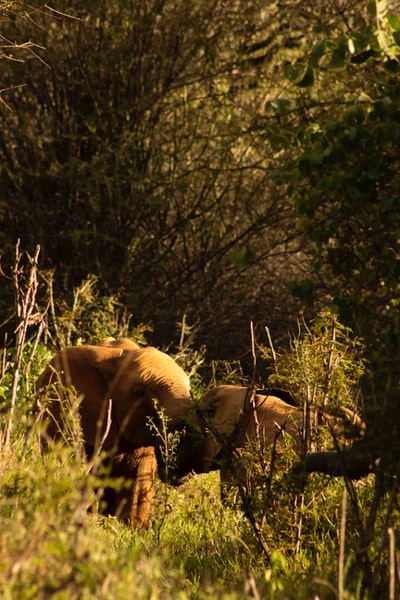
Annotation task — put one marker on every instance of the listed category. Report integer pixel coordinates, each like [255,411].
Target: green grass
[55,544]
[52,546]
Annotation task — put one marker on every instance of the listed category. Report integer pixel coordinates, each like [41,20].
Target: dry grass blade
[25,291]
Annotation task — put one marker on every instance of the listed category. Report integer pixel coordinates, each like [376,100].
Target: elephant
[232,417]
[118,390]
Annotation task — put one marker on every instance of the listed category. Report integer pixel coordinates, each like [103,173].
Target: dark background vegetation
[194,157]
[218,164]
[215,162]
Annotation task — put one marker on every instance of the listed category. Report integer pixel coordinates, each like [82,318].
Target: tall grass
[54,543]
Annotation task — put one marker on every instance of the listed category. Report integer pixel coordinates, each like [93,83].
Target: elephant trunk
[187,460]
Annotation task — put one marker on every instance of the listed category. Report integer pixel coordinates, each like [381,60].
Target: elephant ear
[99,374]
[76,369]
[100,366]
[138,378]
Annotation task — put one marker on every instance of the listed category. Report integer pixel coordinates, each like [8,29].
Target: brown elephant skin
[229,419]
[122,343]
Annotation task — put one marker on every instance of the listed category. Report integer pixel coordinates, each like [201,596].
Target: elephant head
[118,390]
[225,414]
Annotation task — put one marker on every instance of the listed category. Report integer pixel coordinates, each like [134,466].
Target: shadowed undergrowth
[52,546]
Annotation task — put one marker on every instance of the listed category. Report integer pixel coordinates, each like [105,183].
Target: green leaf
[361,57]
[300,74]
[393,22]
[359,42]
[317,52]
[307,78]
[280,105]
[371,7]
[293,72]
[242,257]
[338,57]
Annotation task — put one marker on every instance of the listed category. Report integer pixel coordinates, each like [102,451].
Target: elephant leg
[132,503]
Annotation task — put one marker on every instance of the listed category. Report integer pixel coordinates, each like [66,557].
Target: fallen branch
[354,463]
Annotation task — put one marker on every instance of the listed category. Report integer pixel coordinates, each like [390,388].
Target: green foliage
[91,317]
[345,188]
[323,365]
[348,207]
[346,192]
[50,545]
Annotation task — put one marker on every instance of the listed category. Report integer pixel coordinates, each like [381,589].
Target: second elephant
[231,418]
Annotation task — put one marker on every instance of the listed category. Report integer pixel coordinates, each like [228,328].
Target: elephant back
[160,373]
[121,343]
